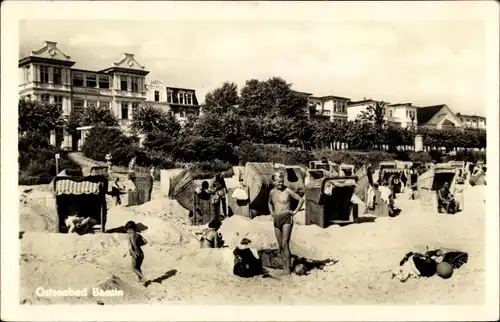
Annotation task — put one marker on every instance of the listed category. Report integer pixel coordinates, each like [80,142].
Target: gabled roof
[128,63]
[49,52]
[424,114]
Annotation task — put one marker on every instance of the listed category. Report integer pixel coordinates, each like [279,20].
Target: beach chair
[328,201]
[432,180]
[83,196]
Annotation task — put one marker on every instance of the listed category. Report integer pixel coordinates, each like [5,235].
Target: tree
[38,117]
[102,140]
[92,116]
[273,97]
[149,119]
[222,99]
[375,114]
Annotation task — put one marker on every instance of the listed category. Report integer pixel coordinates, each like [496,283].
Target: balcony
[92,90]
[45,86]
[128,94]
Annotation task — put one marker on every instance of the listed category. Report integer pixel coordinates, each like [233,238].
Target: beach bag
[456,259]
[240,194]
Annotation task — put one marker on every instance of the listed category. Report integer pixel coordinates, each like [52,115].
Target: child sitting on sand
[135,242]
[210,237]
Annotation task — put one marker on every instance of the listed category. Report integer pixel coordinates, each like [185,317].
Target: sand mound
[37,209]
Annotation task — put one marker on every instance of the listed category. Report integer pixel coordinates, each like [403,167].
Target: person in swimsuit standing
[279,204]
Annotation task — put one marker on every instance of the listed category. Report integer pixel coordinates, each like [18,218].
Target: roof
[424,114]
[302,93]
[363,102]
[470,116]
[70,187]
[331,97]
[400,104]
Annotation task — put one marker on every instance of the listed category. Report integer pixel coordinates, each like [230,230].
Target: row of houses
[406,115]
[48,75]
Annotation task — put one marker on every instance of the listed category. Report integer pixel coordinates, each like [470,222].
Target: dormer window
[189,98]
[170,96]
[180,97]
[157,96]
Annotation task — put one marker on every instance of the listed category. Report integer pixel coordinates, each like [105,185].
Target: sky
[425,63]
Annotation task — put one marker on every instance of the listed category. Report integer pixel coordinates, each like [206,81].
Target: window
[170,97]
[124,111]
[44,74]
[135,106]
[77,106]
[135,84]
[91,103]
[390,113]
[383,110]
[58,101]
[103,81]
[123,83]
[344,107]
[91,80]
[189,98]
[78,79]
[157,96]
[180,97]
[407,113]
[104,105]
[57,75]
[45,98]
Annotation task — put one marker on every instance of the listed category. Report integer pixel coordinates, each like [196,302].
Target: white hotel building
[47,75]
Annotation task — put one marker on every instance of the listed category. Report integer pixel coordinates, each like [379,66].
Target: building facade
[47,75]
[178,102]
[357,108]
[330,108]
[404,115]
[472,121]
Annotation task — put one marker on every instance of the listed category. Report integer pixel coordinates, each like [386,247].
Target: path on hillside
[83,161]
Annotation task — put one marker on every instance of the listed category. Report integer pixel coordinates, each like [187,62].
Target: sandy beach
[184,274]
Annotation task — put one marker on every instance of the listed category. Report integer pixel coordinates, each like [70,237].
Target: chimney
[50,44]
[127,55]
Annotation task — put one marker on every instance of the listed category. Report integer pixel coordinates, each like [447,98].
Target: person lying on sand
[135,242]
[279,204]
[80,225]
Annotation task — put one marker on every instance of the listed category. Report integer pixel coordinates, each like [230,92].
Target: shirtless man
[279,206]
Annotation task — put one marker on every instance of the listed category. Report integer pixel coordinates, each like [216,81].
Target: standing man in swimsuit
[279,204]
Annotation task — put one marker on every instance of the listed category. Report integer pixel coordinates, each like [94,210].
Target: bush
[248,152]
[37,164]
[103,140]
